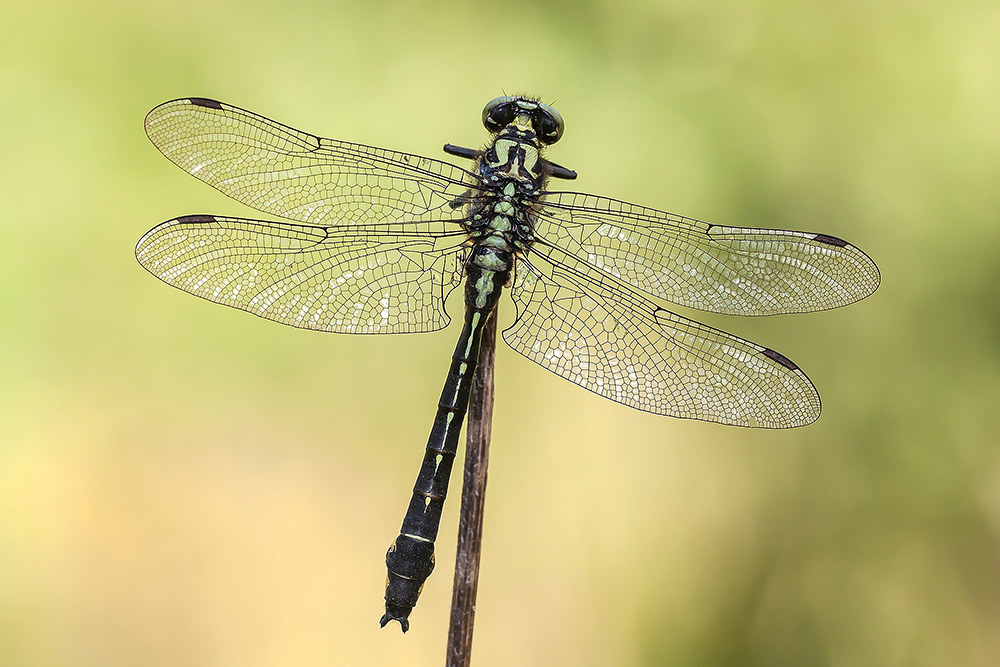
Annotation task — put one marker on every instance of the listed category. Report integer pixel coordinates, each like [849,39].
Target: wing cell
[587,328]
[360,279]
[298,176]
[729,270]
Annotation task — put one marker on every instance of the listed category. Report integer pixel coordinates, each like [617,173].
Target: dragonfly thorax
[511,176]
[514,155]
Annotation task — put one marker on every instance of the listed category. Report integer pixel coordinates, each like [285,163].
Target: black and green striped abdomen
[410,558]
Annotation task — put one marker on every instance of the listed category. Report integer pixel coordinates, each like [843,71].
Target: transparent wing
[357,279]
[295,175]
[730,270]
[585,327]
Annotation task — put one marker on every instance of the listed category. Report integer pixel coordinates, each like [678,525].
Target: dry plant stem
[470,527]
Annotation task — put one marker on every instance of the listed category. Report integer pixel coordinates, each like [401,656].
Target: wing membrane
[295,175]
[730,270]
[359,279]
[583,327]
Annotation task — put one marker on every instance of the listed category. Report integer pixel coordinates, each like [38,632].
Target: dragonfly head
[525,114]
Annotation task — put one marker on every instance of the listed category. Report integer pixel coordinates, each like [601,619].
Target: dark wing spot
[196,219]
[205,102]
[830,240]
[780,358]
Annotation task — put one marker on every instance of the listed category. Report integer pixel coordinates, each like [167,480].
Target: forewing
[731,270]
[584,327]
[279,170]
[357,279]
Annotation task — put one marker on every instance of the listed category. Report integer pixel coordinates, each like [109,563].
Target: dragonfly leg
[558,171]
[461,200]
[459,151]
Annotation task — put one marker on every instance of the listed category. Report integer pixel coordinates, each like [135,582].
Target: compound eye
[499,113]
[548,124]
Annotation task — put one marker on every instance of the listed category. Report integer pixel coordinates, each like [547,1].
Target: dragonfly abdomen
[410,558]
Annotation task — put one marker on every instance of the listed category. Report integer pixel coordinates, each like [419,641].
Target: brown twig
[470,526]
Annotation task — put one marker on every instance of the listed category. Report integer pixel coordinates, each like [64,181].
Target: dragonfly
[373,241]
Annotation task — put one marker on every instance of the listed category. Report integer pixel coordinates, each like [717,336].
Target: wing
[278,170]
[730,270]
[583,326]
[357,279]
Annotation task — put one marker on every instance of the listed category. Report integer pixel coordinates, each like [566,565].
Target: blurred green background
[184,484]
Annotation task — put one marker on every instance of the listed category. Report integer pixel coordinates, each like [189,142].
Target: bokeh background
[184,484]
